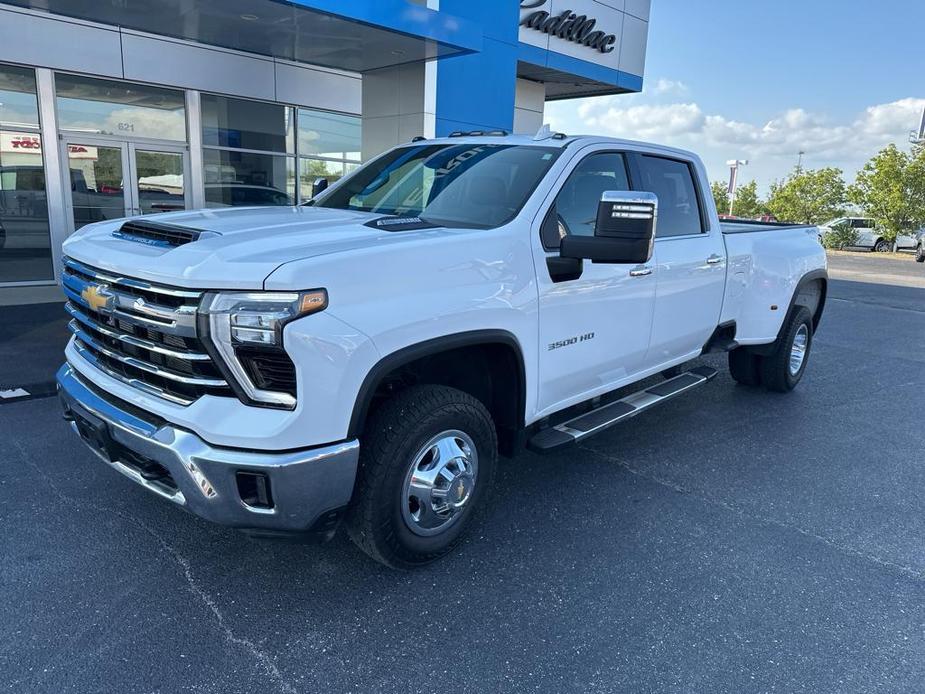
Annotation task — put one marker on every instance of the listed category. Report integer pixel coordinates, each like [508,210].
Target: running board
[606,416]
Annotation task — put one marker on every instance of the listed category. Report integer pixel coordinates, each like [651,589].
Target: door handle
[715,259]
[641,271]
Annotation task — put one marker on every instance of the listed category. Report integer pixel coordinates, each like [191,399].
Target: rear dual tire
[783,368]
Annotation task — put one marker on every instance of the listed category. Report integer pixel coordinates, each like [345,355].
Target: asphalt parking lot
[732,541]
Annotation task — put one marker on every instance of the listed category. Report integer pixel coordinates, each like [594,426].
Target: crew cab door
[593,329]
[689,259]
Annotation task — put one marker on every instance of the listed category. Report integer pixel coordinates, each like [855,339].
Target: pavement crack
[907,571]
[262,657]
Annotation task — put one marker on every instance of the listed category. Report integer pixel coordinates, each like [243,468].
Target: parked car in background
[868,236]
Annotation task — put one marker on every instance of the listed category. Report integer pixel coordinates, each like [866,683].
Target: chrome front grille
[142,334]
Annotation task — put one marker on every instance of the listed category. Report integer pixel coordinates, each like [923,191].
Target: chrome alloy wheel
[798,349]
[439,483]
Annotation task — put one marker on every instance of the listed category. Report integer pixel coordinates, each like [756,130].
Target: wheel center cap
[459,491]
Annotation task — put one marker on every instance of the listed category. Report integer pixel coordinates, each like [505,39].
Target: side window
[673,182]
[576,204]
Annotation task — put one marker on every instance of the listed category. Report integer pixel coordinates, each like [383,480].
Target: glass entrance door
[158,180]
[111,179]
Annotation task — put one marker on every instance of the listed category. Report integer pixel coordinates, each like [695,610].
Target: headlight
[246,330]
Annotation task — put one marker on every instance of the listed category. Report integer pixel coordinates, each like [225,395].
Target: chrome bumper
[307,488]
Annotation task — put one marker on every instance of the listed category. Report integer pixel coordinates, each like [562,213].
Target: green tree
[840,236]
[891,189]
[808,196]
[747,202]
[720,197]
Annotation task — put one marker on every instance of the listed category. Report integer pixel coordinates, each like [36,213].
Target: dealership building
[126,107]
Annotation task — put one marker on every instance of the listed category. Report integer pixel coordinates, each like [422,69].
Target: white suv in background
[869,236]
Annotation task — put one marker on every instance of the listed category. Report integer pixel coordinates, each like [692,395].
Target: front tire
[426,465]
[920,253]
[783,369]
[883,246]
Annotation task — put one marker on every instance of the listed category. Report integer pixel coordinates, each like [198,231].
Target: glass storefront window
[329,135]
[106,107]
[245,178]
[243,124]
[310,170]
[18,105]
[245,143]
[25,245]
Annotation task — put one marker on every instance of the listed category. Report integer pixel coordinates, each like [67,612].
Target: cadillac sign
[577,28]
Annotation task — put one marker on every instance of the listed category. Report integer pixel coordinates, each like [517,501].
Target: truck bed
[745,226]
[766,261]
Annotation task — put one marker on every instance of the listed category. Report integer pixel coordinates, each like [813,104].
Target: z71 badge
[569,342]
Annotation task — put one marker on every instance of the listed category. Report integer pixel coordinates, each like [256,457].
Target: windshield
[468,185]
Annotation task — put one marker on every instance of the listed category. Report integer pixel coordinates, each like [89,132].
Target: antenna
[544,133]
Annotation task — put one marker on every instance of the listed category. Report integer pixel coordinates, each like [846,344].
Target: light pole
[800,162]
[918,137]
[734,165]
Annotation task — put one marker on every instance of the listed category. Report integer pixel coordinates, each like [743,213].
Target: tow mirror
[319,186]
[623,233]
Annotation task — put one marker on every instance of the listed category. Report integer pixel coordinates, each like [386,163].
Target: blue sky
[763,80]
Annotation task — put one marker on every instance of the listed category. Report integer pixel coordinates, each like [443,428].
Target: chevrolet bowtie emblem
[97,297]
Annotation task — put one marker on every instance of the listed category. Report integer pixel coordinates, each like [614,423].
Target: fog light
[254,489]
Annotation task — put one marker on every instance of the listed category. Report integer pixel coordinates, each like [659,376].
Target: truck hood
[244,247]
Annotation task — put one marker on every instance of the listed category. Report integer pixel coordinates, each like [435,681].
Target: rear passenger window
[673,182]
[578,200]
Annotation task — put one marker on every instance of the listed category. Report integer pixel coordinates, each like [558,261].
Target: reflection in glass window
[577,202]
[244,124]
[310,170]
[245,178]
[25,248]
[18,105]
[329,135]
[25,245]
[332,144]
[473,185]
[97,192]
[107,107]
[160,182]
[678,206]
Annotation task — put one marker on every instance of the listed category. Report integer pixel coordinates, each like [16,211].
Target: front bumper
[306,489]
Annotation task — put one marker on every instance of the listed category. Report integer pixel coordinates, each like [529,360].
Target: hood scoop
[159,234]
[400,224]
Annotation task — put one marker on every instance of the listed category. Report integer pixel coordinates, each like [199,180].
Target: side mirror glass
[319,186]
[624,231]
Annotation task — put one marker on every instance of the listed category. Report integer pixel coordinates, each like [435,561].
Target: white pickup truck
[367,356]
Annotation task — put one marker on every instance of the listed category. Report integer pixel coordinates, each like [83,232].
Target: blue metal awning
[355,35]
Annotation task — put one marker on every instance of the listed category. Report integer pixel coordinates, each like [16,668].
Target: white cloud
[643,122]
[669,87]
[772,146]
